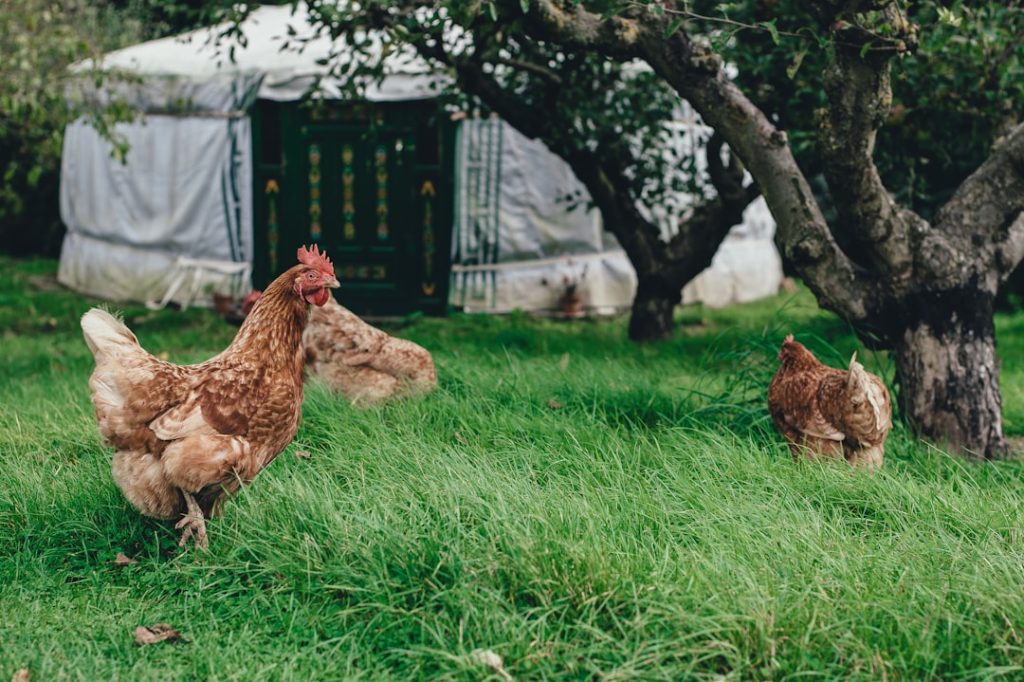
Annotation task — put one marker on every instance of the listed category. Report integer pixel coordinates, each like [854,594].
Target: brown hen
[363,362]
[826,412]
[185,436]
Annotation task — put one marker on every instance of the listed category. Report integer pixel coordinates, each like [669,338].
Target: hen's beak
[333,283]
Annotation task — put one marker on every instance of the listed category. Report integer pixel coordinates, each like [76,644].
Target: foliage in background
[960,90]
[953,97]
[39,39]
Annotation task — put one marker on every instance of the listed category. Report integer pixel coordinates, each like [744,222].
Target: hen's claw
[194,524]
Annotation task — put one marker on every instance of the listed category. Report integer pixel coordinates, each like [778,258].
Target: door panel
[372,186]
[356,179]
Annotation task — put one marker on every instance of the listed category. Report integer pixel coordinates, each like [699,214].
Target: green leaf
[525,6]
[673,27]
[772,29]
[795,64]
[493,11]
[34,175]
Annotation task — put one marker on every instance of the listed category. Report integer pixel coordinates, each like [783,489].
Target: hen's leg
[193,522]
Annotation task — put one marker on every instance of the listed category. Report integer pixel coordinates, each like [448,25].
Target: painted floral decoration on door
[348,194]
[381,158]
[315,230]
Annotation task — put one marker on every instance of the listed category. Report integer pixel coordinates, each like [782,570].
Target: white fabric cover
[515,244]
[535,217]
[186,190]
[746,267]
[515,240]
[195,72]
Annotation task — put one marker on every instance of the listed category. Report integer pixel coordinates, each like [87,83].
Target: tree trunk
[948,374]
[653,308]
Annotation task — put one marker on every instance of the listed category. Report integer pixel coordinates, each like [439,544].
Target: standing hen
[185,436]
[823,411]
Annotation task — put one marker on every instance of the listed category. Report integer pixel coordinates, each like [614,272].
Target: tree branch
[536,69]
[802,232]
[985,211]
[860,95]
[694,246]
[575,26]
[695,72]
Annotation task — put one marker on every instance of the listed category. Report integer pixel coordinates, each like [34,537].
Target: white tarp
[515,245]
[196,72]
[186,190]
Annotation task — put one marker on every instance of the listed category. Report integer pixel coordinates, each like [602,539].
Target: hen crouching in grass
[829,412]
[187,436]
[367,365]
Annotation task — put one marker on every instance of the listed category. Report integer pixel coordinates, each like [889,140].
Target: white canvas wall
[515,242]
[186,190]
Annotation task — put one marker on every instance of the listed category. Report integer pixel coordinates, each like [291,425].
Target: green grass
[647,524]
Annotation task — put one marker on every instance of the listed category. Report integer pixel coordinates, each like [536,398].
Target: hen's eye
[310,275]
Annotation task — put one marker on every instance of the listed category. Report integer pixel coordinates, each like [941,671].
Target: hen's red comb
[316,258]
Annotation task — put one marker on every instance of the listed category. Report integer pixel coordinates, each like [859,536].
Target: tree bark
[652,316]
[948,374]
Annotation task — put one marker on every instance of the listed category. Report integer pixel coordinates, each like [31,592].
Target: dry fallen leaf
[161,632]
[491,660]
[555,405]
[163,355]
[460,438]
[122,560]
[563,362]
[22,675]
[302,454]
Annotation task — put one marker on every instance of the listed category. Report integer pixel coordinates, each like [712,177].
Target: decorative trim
[428,193]
[476,230]
[381,161]
[348,194]
[315,229]
[273,236]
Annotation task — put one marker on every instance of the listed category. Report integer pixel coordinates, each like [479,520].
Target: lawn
[581,506]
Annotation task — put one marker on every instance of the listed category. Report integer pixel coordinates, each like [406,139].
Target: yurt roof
[197,59]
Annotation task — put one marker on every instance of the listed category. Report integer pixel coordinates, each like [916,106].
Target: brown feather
[822,411]
[364,363]
[200,428]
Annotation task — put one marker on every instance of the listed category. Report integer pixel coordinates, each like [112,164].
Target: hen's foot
[194,524]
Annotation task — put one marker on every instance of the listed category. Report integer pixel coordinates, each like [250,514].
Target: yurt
[232,165]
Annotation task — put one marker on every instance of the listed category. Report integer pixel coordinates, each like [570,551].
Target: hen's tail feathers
[863,388]
[105,334]
[118,355]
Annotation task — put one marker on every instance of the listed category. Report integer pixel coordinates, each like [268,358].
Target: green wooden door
[368,185]
[355,180]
